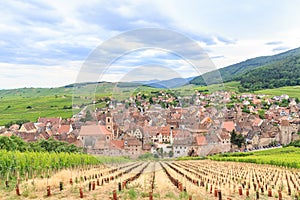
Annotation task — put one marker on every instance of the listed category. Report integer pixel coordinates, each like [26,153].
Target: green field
[32,103]
[31,108]
[292,91]
[286,157]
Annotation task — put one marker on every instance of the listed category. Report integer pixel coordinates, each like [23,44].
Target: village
[169,126]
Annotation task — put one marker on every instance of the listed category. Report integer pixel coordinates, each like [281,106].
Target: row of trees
[14,143]
[19,122]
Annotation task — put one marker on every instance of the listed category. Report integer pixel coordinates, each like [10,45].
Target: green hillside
[281,73]
[292,91]
[253,67]
[31,103]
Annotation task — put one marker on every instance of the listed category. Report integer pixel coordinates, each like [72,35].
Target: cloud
[273,43]
[21,75]
[217,57]
[281,48]
[47,35]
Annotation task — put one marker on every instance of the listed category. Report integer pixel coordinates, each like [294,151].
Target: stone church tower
[285,134]
[109,121]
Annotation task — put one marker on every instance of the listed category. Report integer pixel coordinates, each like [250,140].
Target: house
[28,127]
[255,140]
[183,141]
[116,148]
[286,131]
[164,134]
[224,137]
[95,138]
[151,133]
[133,147]
[257,122]
[228,126]
[136,132]
[51,123]
[14,127]
[64,129]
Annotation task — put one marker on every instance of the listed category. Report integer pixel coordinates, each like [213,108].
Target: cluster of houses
[44,128]
[202,128]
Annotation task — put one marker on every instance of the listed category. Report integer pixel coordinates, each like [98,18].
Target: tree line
[15,143]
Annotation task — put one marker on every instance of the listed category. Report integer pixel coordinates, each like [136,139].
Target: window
[108,120]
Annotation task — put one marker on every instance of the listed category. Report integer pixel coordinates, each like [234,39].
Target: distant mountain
[236,71]
[171,83]
[146,82]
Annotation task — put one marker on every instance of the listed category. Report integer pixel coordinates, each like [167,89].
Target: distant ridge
[236,72]
[171,83]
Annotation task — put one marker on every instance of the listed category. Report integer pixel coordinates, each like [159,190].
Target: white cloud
[20,75]
[47,37]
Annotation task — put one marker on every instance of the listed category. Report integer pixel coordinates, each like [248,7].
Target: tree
[150,100]
[7,143]
[237,139]
[233,136]
[261,114]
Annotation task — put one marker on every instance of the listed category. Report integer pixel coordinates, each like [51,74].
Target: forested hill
[252,67]
[278,74]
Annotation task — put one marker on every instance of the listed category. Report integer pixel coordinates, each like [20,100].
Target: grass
[286,157]
[32,103]
[113,159]
[31,108]
[292,91]
[190,158]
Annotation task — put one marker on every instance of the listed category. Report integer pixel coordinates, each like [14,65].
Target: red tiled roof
[64,129]
[229,125]
[201,140]
[224,136]
[284,123]
[93,130]
[104,130]
[151,130]
[29,126]
[117,143]
[176,116]
[165,130]
[257,122]
[54,120]
[133,142]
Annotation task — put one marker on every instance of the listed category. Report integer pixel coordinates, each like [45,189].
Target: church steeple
[109,123]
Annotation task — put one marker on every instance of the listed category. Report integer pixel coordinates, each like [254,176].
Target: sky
[46,43]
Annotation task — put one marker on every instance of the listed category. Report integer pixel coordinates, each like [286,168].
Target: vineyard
[285,157]
[71,176]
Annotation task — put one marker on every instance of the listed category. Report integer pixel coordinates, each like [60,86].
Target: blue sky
[45,43]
